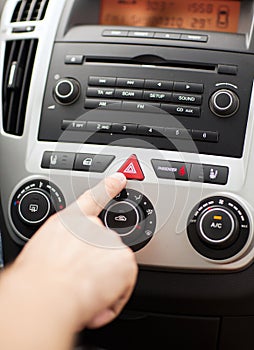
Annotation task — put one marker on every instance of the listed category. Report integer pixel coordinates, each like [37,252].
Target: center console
[161,91]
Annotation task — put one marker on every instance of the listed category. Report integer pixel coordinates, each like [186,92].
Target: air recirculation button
[218,228]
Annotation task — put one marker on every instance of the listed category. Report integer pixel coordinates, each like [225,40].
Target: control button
[130,83]
[218,226]
[74,59]
[151,131]
[34,207]
[187,99]
[141,34]
[102,81]
[129,94]
[119,128]
[58,160]
[165,169]
[194,37]
[215,174]
[224,103]
[71,125]
[189,87]
[100,92]
[209,174]
[208,136]
[122,217]
[67,91]
[141,107]
[92,163]
[159,85]
[178,134]
[167,36]
[132,169]
[186,111]
[92,103]
[116,33]
[227,69]
[98,127]
[158,96]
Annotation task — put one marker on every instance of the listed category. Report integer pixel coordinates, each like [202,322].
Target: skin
[61,282]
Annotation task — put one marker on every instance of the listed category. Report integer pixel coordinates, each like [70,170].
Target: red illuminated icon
[131,169]
[182,171]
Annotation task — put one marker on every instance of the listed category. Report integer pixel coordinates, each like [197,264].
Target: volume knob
[67,91]
[224,103]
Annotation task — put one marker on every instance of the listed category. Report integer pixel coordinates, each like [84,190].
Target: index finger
[94,200]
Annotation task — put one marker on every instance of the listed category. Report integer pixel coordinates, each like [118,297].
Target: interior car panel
[161,91]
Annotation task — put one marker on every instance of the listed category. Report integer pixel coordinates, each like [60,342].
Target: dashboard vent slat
[19,61]
[30,10]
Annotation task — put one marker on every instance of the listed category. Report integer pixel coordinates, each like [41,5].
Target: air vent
[30,10]
[18,66]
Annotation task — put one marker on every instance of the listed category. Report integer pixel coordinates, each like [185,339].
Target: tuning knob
[132,216]
[67,91]
[32,205]
[224,103]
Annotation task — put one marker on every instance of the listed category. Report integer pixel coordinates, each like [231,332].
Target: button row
[157,96]
[156,35]
[146,84]
[212,174]
[139,106]
[78,162]
[136,129]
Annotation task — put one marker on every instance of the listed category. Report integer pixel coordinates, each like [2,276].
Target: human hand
[75,266]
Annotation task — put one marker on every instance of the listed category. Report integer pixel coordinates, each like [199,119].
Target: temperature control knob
[67,91]
[218,228]
[224,103]
[132,216]
[32,205]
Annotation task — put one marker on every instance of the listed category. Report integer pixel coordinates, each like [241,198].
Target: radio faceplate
[162,89]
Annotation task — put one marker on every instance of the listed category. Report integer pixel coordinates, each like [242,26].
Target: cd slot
[150,61]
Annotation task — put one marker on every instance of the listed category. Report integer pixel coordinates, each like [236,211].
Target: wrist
[37,296]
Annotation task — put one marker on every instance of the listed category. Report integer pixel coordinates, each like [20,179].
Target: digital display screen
[207,15]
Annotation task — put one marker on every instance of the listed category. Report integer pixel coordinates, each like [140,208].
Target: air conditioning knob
[67,91]
[218,227]
[224,103]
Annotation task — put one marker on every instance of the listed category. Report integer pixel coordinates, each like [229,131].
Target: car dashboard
[161,91]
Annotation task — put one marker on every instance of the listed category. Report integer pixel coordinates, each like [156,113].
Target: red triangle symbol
[131,169]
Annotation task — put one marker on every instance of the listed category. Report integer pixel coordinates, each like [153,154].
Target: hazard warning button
[131,169]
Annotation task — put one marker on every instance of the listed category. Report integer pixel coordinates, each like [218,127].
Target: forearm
[32,317]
